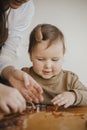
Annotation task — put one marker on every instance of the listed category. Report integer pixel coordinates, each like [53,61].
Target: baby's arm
[75,94]
[66,98]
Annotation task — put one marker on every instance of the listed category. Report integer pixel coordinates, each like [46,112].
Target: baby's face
[47,62]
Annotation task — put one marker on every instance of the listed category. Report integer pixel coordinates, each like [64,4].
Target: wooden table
[75,109]
[52,120]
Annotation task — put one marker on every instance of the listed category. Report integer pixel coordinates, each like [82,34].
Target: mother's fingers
[35,91]
[29,81]
[38,87]
[17,103]
[16,106]
[27,96]
[26,79]
[5,108]
[31,96]
[33,88]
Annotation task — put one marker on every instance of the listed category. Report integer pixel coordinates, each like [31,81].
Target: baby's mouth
[46,72]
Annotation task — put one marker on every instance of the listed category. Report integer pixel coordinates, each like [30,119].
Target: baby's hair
[43,32]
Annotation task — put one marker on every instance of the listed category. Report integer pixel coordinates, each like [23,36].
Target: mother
[15,18]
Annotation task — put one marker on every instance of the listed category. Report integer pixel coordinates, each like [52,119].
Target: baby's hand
[66,99]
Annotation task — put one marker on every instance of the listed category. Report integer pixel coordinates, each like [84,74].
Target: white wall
[71,17]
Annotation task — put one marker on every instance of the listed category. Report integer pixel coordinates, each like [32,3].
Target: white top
[18,23]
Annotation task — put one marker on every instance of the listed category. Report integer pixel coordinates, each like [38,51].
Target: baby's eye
[40,59]
[55,59]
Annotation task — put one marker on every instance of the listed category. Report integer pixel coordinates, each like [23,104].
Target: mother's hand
[29,88]
[11,100]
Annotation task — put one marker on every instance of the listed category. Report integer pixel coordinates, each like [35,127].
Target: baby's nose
[48,64]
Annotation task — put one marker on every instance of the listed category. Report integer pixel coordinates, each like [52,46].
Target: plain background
[70,16]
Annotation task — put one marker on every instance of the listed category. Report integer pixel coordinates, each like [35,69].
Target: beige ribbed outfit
[64,81]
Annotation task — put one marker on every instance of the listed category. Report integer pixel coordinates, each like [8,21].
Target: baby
[47,49]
